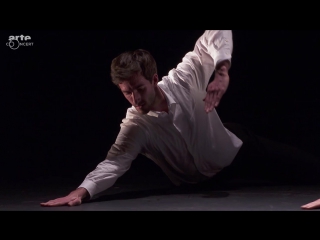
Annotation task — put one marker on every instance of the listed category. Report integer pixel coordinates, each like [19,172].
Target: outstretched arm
[118,161]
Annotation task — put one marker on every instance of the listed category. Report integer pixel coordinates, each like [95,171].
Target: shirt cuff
[221,56]
[90,186]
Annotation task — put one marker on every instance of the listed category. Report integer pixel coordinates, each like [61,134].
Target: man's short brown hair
[133,62]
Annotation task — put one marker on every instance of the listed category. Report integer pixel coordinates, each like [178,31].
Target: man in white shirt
[174,123]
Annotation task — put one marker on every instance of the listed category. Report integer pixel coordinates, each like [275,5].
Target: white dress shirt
[187,143]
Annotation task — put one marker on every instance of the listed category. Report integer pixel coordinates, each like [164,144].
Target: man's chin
[141,110]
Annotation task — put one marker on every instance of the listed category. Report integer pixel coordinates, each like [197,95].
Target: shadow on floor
[207,190]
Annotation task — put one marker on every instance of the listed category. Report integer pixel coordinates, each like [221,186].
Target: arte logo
[16,41]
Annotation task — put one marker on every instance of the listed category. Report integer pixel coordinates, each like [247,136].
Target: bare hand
[216,89]
[312,205]
[73,199]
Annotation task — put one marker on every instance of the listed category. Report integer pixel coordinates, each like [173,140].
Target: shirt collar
[171,102]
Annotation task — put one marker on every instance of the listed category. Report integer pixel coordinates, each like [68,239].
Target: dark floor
[159,195]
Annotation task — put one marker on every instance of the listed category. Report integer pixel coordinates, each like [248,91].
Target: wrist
[223,65]
[82,193]
[222,72]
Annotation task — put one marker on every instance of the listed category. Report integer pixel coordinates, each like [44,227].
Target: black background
[61,113]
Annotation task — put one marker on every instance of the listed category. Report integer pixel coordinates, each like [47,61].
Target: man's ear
[155,79]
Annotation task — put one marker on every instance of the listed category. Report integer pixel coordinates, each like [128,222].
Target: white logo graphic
[14,42]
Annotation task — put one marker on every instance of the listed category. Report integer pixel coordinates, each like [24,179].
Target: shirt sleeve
[127,146]
[197,66]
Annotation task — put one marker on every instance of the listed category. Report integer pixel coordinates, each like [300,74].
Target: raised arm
[211,49]
[212,53]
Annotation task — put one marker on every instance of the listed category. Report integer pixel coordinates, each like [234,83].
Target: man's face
[140,92]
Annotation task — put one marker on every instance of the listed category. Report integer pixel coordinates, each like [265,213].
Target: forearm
[103,177]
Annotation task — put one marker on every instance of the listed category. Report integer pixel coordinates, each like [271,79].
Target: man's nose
[136,97]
